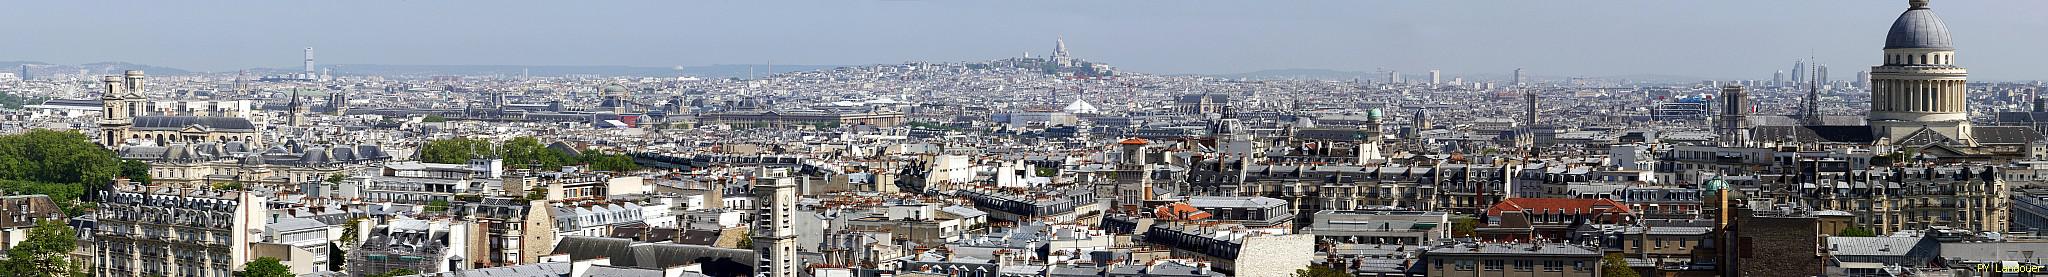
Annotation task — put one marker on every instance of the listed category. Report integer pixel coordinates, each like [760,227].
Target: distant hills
[1341,75]
[1301,74]
[98,68]
[734,71]
[714,71]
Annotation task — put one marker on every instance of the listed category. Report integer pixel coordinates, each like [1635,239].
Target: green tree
[1320,271]
[747,240]
[56,157]
[136,171]
[537,194]
[336,179]
[396,273]
[349,232]
[66,195]
[265,267]
[1464,227]
[611,162]
[434,119]
[1854,231]
[525,152]
[227,185]
[44,252]
[437,206]
[334,250]
[456,151]
[1615,266]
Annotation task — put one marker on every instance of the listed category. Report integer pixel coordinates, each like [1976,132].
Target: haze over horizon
[1746,39]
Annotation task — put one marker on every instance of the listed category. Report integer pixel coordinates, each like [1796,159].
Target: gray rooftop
[1918,27]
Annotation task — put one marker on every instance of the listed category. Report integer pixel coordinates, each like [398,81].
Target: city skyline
[1461,38]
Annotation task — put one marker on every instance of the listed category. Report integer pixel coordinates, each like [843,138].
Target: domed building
[1918,96]
[1919,102]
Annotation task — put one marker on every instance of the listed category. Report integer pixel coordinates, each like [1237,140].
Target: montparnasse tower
[1919,87]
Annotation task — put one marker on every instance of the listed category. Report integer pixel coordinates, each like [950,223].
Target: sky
[1722,39]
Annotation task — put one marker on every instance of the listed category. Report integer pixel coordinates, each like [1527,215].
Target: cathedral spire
[1811,116]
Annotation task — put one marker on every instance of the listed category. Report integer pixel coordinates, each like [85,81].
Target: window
[1439,264]
[1464,265]
[1525,265]
[1553,266]
[1579,266]
[1494,265]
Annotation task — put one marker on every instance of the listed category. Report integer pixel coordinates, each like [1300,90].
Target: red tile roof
[1557,204]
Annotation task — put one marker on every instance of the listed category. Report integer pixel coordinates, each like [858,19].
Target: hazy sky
[1999,39]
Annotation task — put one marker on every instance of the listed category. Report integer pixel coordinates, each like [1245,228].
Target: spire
[1812,110]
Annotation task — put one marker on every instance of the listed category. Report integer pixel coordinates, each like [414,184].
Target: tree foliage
[522,152]
[456,151]
[336,179]
[437,206]
[265,267]
[336,265]
[134,170]
[1615,266]
[56,157]
[434,119]
[529,152]
[1320,271]
[349,233]
[44,253]
[66,195]
[537,194]
[1854,231]
[396,273]
[227,185]
[1463,227]
[13,101]
[609,162]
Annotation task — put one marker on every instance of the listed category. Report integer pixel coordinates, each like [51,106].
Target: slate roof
[1918,27]
[1828,134]
[1871,246]
[180,122]
[625,252]
[2005,134]
[1514,249]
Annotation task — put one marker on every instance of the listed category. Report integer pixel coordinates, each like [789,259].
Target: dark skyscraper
[1518,78]
[1530,97]
[24,73]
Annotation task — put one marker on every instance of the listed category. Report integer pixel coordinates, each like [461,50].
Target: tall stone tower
[299,110]
[774,237]
[1734,121]
[337,103]
[1919,87]
[120,103]
[1530,114]
[114,117]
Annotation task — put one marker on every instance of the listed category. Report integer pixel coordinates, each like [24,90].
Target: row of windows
[1519,265]
[1920,59]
